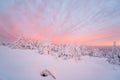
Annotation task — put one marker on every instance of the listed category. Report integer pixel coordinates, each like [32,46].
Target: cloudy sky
[89,22]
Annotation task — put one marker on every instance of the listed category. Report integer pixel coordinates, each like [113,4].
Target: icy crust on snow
[16,64]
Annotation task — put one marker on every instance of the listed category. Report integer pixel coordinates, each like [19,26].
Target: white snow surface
[18,64]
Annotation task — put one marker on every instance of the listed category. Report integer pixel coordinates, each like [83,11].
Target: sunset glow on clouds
[89,22]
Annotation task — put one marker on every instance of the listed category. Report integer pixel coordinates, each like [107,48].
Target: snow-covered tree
[37,44]
[2,43]
[19,43]
[115,55]
[29,44]
[45,47]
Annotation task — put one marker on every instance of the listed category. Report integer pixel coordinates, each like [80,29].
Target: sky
[88,22]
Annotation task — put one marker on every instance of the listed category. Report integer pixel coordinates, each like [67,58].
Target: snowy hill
[16,64]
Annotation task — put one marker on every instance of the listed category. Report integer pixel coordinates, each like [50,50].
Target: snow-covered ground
[26,65]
